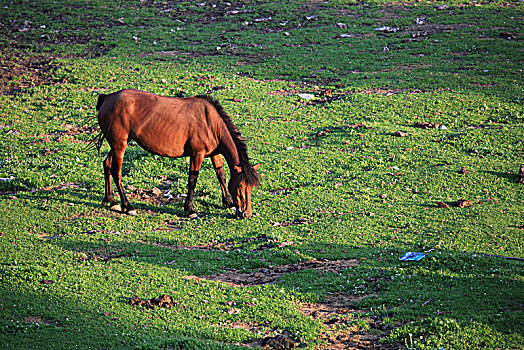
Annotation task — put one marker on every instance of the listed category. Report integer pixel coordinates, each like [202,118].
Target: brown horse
[195,127]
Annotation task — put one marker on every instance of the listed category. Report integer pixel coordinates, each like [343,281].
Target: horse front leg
[218,164]
[195,163]
[108,190]
[116,172]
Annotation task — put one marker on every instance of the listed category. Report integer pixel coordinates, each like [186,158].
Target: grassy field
[365,116]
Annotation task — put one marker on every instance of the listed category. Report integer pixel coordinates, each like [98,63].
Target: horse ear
[256,166]
[237,169]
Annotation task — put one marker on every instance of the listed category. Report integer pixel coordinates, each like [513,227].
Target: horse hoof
[132,212]
[116,207]
[193,216]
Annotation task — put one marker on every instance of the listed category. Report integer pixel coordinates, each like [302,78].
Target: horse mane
[248,174]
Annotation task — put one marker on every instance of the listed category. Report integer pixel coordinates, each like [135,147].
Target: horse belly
[161,140]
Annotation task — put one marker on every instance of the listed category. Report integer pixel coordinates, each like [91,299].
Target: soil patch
[212,11]
[320,96]
[425,29]
[18,71]
[163,301]
[426,125]
[37,320]
[461,203]
[272,275]
[154,195]
[339,317]
[103,254]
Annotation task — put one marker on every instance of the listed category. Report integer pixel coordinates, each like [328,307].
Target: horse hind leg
[195,163]
[218,164]
[108,190]
[116,172]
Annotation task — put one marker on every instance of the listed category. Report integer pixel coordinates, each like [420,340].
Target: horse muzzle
[242,214]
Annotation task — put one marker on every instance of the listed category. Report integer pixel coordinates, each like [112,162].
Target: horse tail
[100,101]
[97,141]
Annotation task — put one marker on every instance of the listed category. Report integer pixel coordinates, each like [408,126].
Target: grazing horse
[195,127]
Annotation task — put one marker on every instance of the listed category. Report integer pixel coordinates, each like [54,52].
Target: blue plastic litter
[412,256]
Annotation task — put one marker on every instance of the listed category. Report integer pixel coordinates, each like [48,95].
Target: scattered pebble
[387,29]
[306,96]
[463,170]
[400,134]
[463,203]
[427,125]
[156,191]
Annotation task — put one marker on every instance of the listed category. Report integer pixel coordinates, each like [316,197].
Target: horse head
[241,186]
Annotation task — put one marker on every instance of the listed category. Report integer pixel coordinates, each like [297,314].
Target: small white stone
[306,96]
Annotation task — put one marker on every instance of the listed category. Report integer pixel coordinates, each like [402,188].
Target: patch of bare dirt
[18,71]
[425,29]
[163,301]
[213,11]
[461,203]
[157,196]
[328,95]
[278,342]
[337,313]
[104,254]
[400,134]
[297,221]
[37,320]
[70,133]
[272,275]
[63,186]
[426,125]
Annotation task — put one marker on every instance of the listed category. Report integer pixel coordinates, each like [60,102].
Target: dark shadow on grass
[436,286]
[45,319]
[54,321]
[510,177]
[207,207]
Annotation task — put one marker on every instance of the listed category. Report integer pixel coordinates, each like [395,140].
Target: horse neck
[230,153]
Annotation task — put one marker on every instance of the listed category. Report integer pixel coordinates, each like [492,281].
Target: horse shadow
[208,203]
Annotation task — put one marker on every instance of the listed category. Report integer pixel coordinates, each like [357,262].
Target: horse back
[166,126]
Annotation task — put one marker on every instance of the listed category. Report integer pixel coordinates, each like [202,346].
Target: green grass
[69,266]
